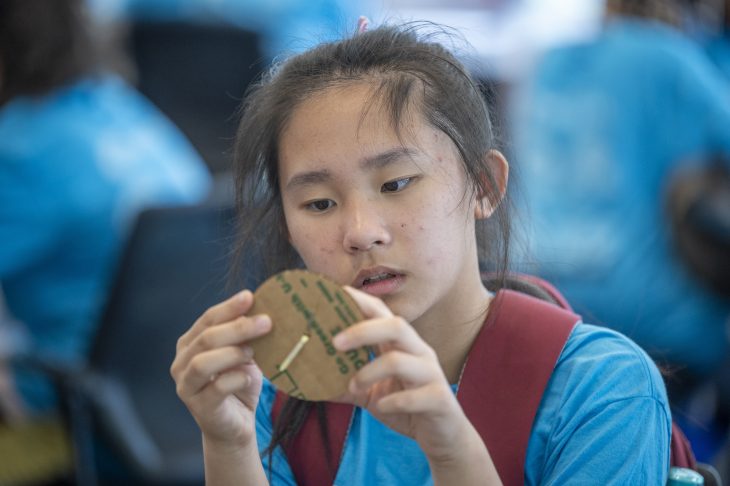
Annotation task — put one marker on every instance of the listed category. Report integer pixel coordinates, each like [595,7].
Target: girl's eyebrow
[386,158]
[374,162]
[309,178]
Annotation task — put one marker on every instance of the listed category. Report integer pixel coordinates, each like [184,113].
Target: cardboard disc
[307,310]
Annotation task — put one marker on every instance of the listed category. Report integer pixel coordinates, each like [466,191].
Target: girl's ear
[498,169]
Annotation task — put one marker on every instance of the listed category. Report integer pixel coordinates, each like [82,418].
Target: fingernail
[262,322]
[340,341]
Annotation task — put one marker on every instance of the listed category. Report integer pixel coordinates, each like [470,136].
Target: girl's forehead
[342,129]
[352,112]
[339,134]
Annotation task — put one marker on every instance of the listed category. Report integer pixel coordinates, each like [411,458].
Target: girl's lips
[385,286]
[373,273]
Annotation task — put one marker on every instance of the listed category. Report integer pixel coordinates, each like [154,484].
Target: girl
[378,159]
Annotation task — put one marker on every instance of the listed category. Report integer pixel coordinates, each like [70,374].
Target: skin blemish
[403,225]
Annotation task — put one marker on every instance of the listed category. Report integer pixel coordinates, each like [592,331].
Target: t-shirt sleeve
[276,465]
[604,418]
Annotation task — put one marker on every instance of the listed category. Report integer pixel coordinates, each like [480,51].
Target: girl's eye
[396,185]
[320,205]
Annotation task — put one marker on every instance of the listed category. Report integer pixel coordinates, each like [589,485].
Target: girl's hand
[404,387]
[215,374]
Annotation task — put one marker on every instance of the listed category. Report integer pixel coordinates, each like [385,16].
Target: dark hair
[43,44]
[667,11]
[406,67]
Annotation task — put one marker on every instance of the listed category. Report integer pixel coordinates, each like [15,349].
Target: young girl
[379,167]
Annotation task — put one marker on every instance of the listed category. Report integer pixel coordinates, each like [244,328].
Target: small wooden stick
[294,352]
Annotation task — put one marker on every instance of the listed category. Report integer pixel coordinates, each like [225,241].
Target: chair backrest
[175,266]
[197,73]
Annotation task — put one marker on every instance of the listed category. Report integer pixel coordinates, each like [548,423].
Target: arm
[232,465]
[468,463]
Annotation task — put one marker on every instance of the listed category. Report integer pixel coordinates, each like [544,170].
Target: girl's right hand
[215,374]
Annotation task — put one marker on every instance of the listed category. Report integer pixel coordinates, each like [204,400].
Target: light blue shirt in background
[598,130]
[76,166]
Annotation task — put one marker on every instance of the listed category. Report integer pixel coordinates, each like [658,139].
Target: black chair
[176,265]
[197,73]
[710,474]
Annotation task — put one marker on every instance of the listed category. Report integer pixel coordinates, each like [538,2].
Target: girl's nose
[364,229]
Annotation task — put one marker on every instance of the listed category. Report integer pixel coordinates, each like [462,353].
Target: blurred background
[117,119]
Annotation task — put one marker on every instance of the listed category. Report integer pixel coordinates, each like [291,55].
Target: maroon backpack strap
[681,454]
[306,453]
[506,373]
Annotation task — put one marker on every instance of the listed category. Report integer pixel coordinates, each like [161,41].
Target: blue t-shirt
[603,419]
[76,166]
[599,129]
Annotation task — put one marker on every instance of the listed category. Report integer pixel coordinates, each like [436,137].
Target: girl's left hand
[404,386]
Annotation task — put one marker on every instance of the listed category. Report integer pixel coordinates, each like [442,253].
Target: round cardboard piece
[305,303]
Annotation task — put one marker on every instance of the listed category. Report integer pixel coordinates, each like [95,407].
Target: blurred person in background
[81,153]
[599,130]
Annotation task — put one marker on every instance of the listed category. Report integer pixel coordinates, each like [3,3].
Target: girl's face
[389,217]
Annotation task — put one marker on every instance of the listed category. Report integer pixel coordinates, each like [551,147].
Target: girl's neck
[451,327]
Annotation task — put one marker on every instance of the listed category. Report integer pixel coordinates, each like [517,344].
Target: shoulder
[87,107]
[645,35]
[599,357]
[604,416]
[106,134]
[71,116]
[647,46]
[658,47]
